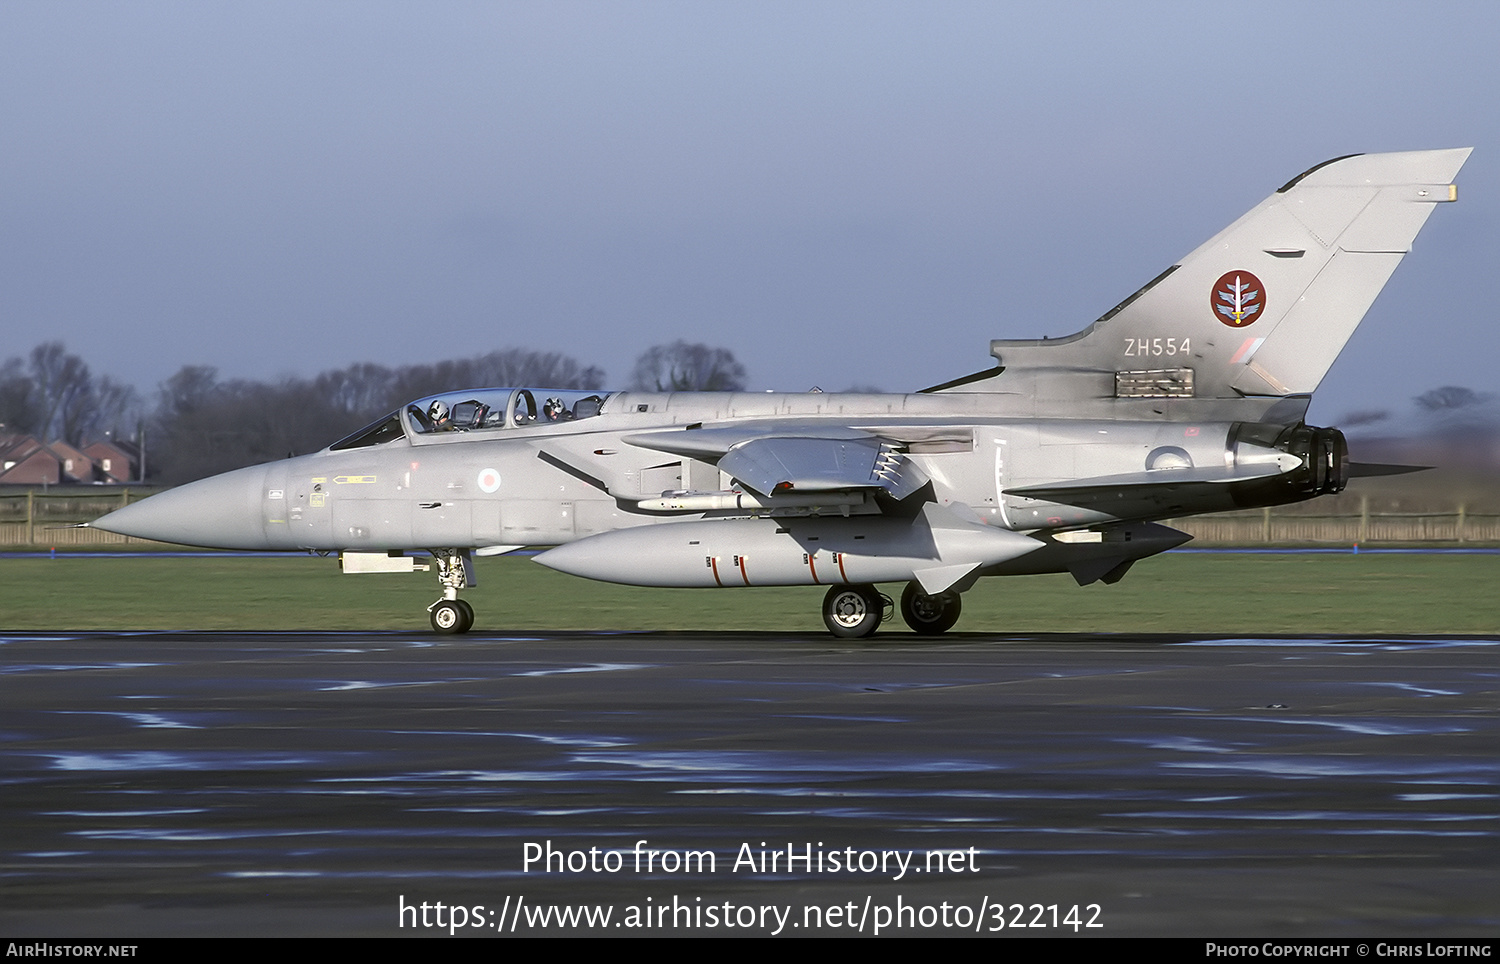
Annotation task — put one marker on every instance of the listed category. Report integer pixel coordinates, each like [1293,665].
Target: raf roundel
[489,480]
[1238,299]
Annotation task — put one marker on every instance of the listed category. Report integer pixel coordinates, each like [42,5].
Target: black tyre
[852,612]
[448,617]
[468,623]
[929,615]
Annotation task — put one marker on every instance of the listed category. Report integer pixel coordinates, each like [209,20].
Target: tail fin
[1265,306]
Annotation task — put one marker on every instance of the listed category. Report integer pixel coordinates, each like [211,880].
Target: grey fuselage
[549,483]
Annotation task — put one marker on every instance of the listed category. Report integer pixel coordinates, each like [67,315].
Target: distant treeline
[198,424]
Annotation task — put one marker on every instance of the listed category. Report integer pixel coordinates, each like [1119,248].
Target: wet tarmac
[311,784]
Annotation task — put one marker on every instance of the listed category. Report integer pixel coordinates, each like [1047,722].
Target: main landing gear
[455,571]
[856,611]
[929,615]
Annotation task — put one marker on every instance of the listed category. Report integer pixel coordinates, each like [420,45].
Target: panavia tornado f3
[1188,397]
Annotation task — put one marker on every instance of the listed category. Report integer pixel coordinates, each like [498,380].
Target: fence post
[1364,518]
[1265,525]
[30,517]
[1461,508]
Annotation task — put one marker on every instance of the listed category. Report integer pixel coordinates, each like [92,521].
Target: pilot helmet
[437,411]
[553,406]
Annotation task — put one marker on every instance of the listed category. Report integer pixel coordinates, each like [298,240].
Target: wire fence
[1266,527]
[49,519]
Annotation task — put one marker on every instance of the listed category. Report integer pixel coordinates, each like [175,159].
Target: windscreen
[381,430]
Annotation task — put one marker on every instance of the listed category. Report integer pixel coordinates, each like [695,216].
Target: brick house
[25,460]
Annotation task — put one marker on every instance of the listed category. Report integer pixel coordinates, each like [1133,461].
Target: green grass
[1190,593]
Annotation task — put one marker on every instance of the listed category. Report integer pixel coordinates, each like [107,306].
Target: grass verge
[1182,593]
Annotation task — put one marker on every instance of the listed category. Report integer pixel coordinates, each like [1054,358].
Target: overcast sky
[839,193]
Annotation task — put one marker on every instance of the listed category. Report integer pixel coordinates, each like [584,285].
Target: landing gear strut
[455,571]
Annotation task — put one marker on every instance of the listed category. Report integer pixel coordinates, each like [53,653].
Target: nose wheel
[455,571]
[451,616]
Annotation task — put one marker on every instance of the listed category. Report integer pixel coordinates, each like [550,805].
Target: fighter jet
[1187,397]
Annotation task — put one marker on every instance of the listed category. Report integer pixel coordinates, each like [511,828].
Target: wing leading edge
[785,462]
[777,465]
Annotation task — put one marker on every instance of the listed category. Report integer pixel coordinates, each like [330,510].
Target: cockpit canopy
[478,410]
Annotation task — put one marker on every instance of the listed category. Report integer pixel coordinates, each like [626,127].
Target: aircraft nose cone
[222,512]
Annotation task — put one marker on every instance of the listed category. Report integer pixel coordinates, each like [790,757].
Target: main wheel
[452,616]
[929,615]
[852,611]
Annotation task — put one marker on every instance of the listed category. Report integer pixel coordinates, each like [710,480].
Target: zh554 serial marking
[1188,397]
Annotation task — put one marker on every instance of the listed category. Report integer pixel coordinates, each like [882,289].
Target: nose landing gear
[451,616]
[455,571]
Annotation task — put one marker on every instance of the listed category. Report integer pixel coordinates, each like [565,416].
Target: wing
[777,464]
[780,461]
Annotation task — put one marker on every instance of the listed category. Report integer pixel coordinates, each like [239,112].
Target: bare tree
[685,367]
[510,367]
[62,388]
[17,406]
[1450,397]
[55,396]
[1364,417]
[189,390]
[517,366]
[362,390]
[112,408]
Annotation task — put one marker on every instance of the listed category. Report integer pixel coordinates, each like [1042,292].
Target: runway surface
[312,784]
